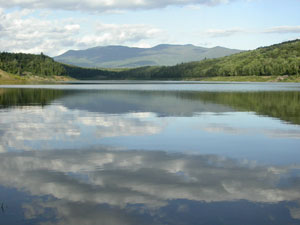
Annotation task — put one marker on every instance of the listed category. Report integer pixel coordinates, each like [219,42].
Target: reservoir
[177,153]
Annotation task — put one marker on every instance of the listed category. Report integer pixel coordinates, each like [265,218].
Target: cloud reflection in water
[130,181]
[66,181]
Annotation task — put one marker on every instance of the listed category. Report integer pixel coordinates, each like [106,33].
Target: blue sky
[56,26]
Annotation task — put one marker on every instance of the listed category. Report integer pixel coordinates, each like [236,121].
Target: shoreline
[275,79]
[10,79]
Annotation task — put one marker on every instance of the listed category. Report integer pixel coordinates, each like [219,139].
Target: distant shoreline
[13,79]
[291,78]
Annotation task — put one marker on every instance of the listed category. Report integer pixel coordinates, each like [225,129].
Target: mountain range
[275,60]
[131,57]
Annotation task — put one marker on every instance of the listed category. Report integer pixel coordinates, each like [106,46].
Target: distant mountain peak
[117,56]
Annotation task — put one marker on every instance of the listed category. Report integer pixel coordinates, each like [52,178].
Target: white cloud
[21,32]
[223,32]
[114,34]
[283,29]
[234,31]
[105,5]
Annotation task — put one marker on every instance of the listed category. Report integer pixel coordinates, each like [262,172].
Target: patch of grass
[251,79]
[8,78]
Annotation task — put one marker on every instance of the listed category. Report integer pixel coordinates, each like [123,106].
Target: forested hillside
[30,64]
[41,65]
[82,73]
[279,59]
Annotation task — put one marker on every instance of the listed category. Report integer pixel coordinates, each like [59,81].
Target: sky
[55,26]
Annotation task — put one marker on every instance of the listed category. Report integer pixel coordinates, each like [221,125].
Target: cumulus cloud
[108,34]
[283,30]
[105,5]
[28,34]
[22,32]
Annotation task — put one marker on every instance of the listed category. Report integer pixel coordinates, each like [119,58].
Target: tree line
[279,59]
[29,64]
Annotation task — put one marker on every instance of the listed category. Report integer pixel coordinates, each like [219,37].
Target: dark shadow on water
[28,97]
[284,105]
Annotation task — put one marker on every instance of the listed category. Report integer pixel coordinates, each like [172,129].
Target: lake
[118,153]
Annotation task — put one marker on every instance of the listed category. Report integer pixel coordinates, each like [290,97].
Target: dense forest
[82,73]
[29,64]
[41,65]
[279,59]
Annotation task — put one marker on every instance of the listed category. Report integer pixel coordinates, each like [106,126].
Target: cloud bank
[283,29]
[220,33]
[22,32]
[223,32]
[105,5]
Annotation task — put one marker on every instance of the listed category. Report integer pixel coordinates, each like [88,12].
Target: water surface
[150,153]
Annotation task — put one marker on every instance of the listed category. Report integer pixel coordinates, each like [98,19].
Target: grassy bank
[8,78]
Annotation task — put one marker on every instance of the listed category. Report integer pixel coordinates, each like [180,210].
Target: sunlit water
[150,153]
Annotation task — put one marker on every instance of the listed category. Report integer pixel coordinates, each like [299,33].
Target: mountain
[280,59]
[127,57]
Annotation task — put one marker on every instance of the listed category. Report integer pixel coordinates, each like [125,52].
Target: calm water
[182,153]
